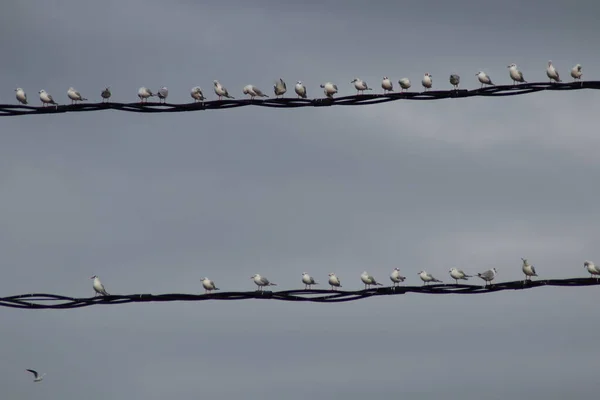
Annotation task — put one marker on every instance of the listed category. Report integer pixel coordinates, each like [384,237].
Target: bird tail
[437,280]
[229,97]
[104,292]
[25,102]
[216,288]
[378,284]
[368,88]
[83,99]
[272,284]
[467,276]
[264,95]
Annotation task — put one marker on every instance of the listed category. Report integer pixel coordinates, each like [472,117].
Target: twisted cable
[363,99]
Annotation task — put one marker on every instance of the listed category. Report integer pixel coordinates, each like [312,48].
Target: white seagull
[488,276]
[162,94]
[455,81]
[427,82]
[208,285]
[36,377]
[404,84]
[576,72]
[360,85]
[329,89]
[592,269]
[528,269]
[300,90]
[334,281]
[515,74]
[368,280]
[552,73]
[144,93]
[457,274]
[426,278]
[386,85]
[74,95]
[46,98]
[21,96]
[253,91]
[484,79]
[396,277]
[99,287]
[197,94]
[279,88]
[106,94]
[308,280]
[221,90]
[261,281]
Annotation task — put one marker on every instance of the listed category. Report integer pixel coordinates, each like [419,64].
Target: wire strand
[364,99]
[35,301]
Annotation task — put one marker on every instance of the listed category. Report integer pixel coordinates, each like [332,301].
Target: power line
[37,301]
[364,99]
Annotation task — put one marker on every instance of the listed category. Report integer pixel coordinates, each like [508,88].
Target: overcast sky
[152,203]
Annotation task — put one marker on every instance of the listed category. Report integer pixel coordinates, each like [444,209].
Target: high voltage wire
[37,301]
[356,100]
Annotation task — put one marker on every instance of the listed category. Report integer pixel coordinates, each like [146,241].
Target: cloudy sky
[152,203]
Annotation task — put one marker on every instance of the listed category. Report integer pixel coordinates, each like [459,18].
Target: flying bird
[457,274]
[515,74]
[386,85]
[528,269]
[99,287]
[308,280]
[208,285]
[261,281]
[300,90]
[279,88]
[427,82]
[46,98]
[106,94]
[396,278]
[334,281]
[426,278]
[368,280]
[74,95]
[36,376]
[197,94]
[221,91]
[253,91]
[552,73]
[21,96]
[484,79]
[360,85]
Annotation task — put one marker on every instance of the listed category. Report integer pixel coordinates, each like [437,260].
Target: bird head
[93,277]
[331,274]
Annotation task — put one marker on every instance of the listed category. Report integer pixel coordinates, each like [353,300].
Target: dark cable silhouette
[37,301]
[291,102]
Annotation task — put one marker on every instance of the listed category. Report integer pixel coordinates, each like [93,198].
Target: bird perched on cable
[36,377]
[396,278]
[404,84]
[334,281]
[455,81]
[144,93]
[279,88]
[488,276]
[308,280]
[426,278]
[99,287]
[21,96]
[528,269]
[300,90]
[221,90]
[386,85]
[329,89]
[162,94]
[261,281]
[368,280]
[515,74]
[208,285]
[74,95]
[457,274]
[46,98]
[484,79]
[592,268]
[552,73]
[197,94]
[360,85]
[427,82]
[576,72]
[106,94]
[253,91]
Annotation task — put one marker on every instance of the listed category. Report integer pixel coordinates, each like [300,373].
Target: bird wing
[33,372]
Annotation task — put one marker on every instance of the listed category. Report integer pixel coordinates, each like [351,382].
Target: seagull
[404,84]
[515,74]
[552,73]
[426,278]
[209,285]
[457,274]
[576,72]
[74,95]
[99,287]
[396,277]
[197,94]
[36,376]
[488,276]
[334,281]
[261,281]
[308,280]
[21,96]
[427,82]
[368,280]
[484,79]
[360,85]
[329,89]
[253,91]
[386,85]
[162,94]
[144,93]
[279,88]
[106,94]
[300,90]
[454,81]
[528,269]
[592,269]
[221,91]
[46,98]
